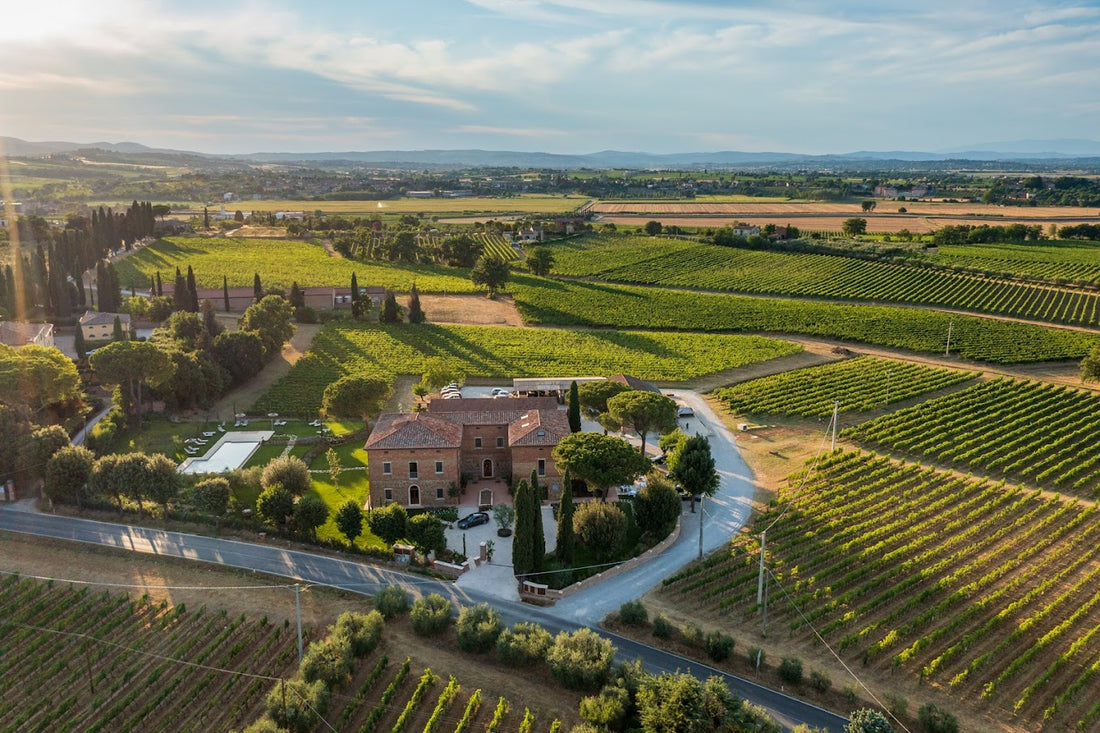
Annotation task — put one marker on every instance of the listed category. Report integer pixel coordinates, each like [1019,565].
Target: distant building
[21,333]
[419,194]
[296,215]
[98,326]
[745,230]
[634,383]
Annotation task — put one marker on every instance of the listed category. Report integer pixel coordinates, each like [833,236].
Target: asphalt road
[367,579]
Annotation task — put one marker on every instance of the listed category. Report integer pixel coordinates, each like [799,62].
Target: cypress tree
[522,545]
[354,289]
[152,286]
[574,408]
[416,314]
[538,536]
[160,287]
[565,522]
[116,289]
[296,299]
[81,296]
[192,291]
[78,343]
[257,288]
[390,312]
[225,292]
[205,218]
[117,334]
[180,297]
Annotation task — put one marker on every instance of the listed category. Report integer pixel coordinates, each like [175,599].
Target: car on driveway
[473,520]
[685,411]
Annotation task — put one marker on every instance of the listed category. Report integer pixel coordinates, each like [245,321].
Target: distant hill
[1030,151]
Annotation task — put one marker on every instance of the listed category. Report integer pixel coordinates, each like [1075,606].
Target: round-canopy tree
[490,272]
[643,412]
[601,461]
[357,395]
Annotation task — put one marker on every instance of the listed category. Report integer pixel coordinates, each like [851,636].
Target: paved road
[361,578]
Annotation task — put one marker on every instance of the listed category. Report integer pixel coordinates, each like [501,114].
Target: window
[477,442]
[439,466]
[439,493]
[387,468]
[500,442]
[542,467]
[389,494]
[413,473]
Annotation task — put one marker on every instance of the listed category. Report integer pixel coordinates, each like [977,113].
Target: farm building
[478,444]
[21,333]
[555,387]
[98,326]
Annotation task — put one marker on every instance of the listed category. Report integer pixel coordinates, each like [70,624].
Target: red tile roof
[418,430]
[539,427]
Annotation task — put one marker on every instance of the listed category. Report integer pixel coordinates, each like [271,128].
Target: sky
[561,76]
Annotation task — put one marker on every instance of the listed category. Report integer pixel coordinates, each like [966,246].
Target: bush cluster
[431,615]
[523,645]
[478,628]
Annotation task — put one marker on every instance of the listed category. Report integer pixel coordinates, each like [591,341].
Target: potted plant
[505,514]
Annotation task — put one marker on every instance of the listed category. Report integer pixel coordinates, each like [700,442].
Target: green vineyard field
[1066,261]
[279,263]
[653,261]
[1040,434]
[857,384]
[480,351]
[619,306]
[108,663]
[985,590]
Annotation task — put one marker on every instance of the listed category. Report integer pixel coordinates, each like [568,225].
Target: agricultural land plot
[1055,261]
[508,352]
[557,302]
[279,263]
[487,207]
[374,247]
[766,207]
[653,261]
[1040,434]
[858,385]
[93,661]
[987,591]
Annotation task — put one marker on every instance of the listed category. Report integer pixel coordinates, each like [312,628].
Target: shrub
[662,627]
[478,628]
[363,630]
[866,720]
[391,601]
[431,615]
[524,644]
[390,523]
[633,613]
[756,656]
[426,532]
[305,703]
[820,681]
[607,709]
[694,635]
[328,660]
[719,646]
[790,670]
[934,719]
[896,704]
[289,471]
[581,660]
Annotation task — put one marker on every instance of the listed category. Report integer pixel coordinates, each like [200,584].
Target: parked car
[501,392]
[685,411]
[660,460]
[473,520]
[452,396]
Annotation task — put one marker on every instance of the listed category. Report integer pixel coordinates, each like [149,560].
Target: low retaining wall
[539,594]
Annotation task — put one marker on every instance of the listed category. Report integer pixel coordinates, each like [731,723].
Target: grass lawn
[354,486]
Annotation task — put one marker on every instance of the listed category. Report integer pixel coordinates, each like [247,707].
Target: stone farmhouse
[101,326]
[428,458]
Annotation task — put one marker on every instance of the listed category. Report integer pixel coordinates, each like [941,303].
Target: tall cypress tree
[574,408]
[257,288]
[225,292]
[522,544]
[78,343]
[390,312]
[192,291]
[538,535]
[565,522]
[181,299]
[416,313]
[205,218]
[118,334]
[160,286]
[354,289]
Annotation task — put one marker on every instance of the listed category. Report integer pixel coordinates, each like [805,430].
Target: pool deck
[193,464]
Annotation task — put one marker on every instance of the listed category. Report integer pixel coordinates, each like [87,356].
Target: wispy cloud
[509,131]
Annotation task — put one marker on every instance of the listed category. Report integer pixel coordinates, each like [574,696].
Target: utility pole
[950,326]
[760,580]
[836,416]
[764,629]
[702,497]
[298,609]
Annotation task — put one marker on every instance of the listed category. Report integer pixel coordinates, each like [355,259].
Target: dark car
[473,520]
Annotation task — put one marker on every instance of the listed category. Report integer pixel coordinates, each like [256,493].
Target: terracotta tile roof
[96,318]
[538,427]
[418,430]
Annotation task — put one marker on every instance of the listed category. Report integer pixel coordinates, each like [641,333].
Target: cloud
[509,131]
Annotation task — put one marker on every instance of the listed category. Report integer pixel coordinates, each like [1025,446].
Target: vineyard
[857,384]
[1040,434]
[375,245]
[108,662]
[986,590]
[279,263]
[1066,261]
[650,261]
[974,338]
[342,348]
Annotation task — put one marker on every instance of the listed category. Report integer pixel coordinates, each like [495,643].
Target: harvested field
[920,208]
[876,223]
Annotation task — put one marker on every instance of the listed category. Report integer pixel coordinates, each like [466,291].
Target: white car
[685,411]
[501,392]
